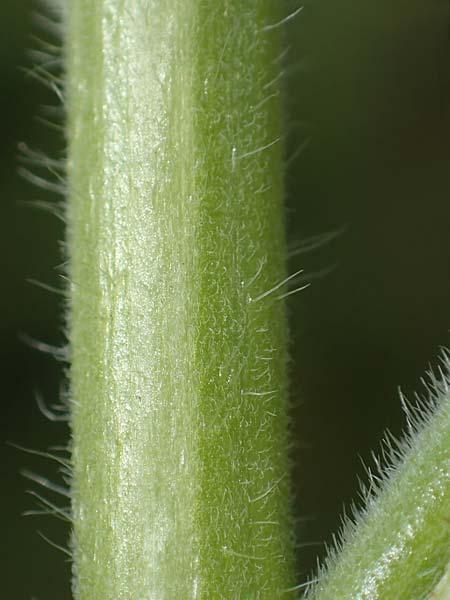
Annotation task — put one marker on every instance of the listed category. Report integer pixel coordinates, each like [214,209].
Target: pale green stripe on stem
[175,241]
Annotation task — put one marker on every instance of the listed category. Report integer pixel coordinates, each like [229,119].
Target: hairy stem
[177,321]
[400,546]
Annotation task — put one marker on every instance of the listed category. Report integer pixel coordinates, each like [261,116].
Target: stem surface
[399,548]
[177,321]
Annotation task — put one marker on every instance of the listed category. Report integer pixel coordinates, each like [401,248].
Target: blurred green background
[368,87]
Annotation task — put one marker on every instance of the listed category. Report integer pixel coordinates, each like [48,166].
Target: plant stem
[177,321]
[400,546]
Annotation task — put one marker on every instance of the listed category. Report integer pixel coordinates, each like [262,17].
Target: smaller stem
[400,544]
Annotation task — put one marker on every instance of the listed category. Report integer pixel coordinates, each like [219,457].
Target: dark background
[368,87]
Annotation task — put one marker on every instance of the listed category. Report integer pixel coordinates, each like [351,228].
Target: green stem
[400,547]
[177,320]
